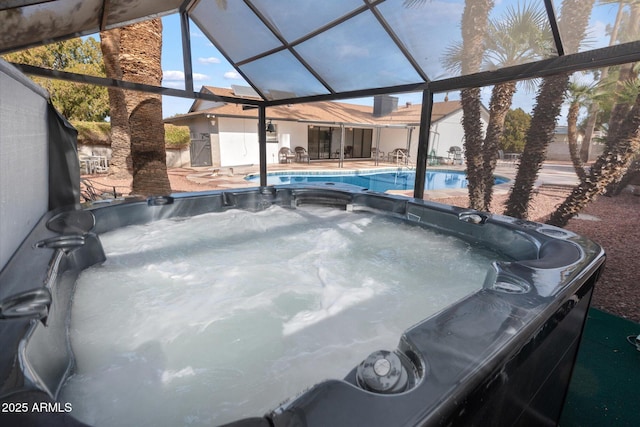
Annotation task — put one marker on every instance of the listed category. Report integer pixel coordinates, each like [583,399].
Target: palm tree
[620,150]
[579,95]
[621,146]
[140,61]
[574,17]
[474,26]
[585,150]
[120,166]
[520,36]
[133,53]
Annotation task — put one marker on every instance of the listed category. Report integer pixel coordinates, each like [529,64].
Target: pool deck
[552,173]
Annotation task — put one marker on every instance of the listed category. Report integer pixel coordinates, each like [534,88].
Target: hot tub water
[209,319]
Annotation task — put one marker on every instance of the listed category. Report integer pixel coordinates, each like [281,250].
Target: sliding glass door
[324,142]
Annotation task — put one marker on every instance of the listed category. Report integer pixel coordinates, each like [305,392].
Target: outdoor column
[409,133]
[378,130]
[262,144]
[423,143]
[186,52]
[341,161]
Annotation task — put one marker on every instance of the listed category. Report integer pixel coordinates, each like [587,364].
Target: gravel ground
[613,222]
[610,221]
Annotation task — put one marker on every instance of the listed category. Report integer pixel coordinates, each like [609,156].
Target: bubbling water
[205,320]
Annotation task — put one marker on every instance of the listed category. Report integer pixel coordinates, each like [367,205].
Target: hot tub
[500,355]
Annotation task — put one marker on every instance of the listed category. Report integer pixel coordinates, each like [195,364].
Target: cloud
[232,75]
[174,84]
[178,76]
[172,75]
[209,60]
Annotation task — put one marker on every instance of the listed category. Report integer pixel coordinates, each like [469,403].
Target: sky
[211,68]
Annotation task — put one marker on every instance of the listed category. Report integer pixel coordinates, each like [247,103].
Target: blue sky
[211,68]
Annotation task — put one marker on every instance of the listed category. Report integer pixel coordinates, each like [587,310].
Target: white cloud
[232,75]
[172,75]
[174,84]
[200,77]
[209,60]
[178,76]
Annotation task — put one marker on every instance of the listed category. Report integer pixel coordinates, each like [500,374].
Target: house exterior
[558,149]
[224,134]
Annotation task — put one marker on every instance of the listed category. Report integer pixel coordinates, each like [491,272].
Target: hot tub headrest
[72,222]
[555,254]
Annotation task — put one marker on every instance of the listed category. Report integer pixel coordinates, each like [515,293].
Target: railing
[93,164]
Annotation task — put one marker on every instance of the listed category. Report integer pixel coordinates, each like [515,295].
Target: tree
[133,53]
[140,62]
[574,17]
[516,125]
[585,150]
[120,165]
[520,35]
[620,149]
[75,101]
[621,146]
[579,96]
[474,27]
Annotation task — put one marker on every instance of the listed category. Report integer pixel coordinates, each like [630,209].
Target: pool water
[373,180]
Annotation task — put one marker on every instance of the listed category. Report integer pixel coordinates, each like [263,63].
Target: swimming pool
[374,179]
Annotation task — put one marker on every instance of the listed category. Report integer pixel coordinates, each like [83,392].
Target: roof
[294,51]
[320,112]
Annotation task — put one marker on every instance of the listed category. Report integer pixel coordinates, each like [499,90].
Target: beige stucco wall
[558,150]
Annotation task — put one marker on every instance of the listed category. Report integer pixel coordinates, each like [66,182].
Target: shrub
[98,133]
[177,137]
[93,133]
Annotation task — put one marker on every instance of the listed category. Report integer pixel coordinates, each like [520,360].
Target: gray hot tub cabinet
[501,356]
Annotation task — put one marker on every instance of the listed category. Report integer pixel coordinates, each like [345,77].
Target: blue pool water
[379,180]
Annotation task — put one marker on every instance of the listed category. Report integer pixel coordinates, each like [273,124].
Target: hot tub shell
[501,356]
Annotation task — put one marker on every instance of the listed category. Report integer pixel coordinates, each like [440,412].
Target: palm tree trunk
[610,166]
[149,161]
[590,127]
[574,18]
[120,165]
[140,55]
[474,24]
[632,174]
[539,135]
[501,98]
[470,100]
[572,136]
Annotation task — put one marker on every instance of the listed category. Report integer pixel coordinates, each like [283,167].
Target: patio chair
[301,154]
[509,159]
[455,155]
[348,151]
[375,153]
[398,155]
[285,155]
